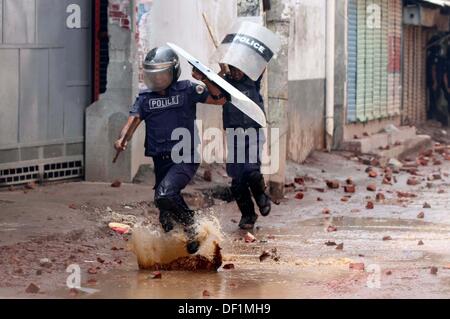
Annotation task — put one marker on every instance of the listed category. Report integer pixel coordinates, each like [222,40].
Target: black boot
[244,201]
[166,221]
[188,220]
[258,187]
[184,216]
[247,222]
[193,245]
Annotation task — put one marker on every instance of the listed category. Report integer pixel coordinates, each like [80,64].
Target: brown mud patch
[190,263]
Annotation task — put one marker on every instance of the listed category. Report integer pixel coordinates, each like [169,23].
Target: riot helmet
[161,68]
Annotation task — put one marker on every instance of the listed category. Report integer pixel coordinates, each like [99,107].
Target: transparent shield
[249,47]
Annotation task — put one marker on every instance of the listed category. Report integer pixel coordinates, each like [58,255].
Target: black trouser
[251,182]
[171,179]
[245,172]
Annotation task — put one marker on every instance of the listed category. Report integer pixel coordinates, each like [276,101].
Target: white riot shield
[249,47]
[239,99]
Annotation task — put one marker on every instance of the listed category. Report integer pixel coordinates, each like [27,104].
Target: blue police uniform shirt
[235,118]
[164,114]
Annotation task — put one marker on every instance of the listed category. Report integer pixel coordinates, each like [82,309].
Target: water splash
[156,250]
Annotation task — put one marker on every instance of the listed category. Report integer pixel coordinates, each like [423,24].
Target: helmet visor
[158,79]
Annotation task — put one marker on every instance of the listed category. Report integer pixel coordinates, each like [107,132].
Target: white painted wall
[308,39]
[181,22]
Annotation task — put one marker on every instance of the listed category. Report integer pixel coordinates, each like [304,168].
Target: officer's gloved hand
[196,74]
[120,145]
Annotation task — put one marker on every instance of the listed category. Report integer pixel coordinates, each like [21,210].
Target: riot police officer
[169,104]
[246,175]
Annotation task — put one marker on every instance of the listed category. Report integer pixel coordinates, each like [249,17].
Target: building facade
[71,69]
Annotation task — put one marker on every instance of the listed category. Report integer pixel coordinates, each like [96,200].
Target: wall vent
[41,171]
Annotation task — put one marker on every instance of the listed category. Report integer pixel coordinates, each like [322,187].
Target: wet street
[381,241]
[309,268]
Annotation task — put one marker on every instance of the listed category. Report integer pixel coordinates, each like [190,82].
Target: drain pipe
[330,49]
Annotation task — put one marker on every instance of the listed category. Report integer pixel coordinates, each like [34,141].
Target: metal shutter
[377,64]
[384,58]
[361,62]
[374,74]
[45,85]
[395,8]
[352,59]
[414,77]
[370,47]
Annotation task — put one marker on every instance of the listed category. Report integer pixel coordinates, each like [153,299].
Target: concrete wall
[340,85]
[306,78]
[371,127]
[278,21]
[307,40]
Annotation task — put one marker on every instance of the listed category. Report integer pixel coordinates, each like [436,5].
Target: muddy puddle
[306,267]
[240,283]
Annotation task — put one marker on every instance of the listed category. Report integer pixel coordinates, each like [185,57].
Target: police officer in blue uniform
[246,175]
[167,105]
